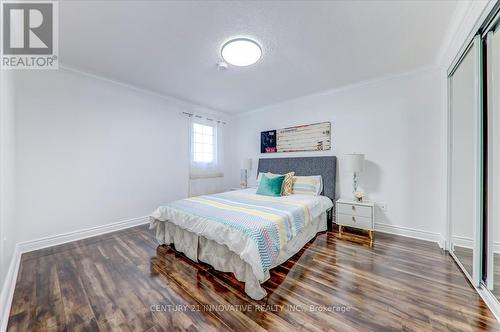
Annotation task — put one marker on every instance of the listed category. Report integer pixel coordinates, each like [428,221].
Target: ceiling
[172,47]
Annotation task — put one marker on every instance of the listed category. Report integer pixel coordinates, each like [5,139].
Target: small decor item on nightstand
[359,195]
[354,163]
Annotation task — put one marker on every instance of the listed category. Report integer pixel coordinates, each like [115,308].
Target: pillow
[287,184]
[308,185]
[259,178]
[271,186]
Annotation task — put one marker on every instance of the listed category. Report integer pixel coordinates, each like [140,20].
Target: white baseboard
[496,247]
[55,240]
[466,242]
[462,241]
[411,232]
[9,285]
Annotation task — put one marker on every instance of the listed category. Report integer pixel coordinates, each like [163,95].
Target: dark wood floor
[123,281]
[464,255]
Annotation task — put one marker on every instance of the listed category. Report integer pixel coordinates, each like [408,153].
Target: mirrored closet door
[465,160]
[493,156]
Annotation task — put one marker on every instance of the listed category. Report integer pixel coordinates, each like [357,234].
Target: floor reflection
[496,277]
[464,255]
[395,285]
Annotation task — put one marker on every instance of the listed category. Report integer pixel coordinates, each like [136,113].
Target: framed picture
[312,137]
[268,141]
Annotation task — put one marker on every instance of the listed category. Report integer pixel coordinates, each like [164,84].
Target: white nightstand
[355,214]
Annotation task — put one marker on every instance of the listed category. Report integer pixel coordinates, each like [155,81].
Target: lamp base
[244,179]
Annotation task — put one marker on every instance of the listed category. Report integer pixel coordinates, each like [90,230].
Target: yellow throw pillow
[287,187]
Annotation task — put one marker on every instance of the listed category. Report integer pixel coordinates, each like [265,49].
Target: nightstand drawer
[355,210]
[354,221]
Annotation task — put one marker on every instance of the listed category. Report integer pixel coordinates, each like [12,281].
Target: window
[205,149]
[203,143]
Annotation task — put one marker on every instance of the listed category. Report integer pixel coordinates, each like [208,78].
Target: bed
[245,233]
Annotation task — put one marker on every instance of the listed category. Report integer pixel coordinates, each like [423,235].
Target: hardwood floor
[124,281]
[464,255]
[496,276]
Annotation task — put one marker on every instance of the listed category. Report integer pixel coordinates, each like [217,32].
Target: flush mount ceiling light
[241,52]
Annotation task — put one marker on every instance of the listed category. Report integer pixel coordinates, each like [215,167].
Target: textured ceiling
[172,47]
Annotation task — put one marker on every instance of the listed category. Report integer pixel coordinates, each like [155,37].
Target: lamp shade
[354,162]
[246,163]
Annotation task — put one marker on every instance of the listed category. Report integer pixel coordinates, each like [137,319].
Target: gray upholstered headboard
[324,166]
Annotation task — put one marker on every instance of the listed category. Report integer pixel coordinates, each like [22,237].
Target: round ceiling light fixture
[241,52]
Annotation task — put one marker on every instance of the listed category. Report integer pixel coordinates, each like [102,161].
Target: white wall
[395,122]
[7,174]
[92,152]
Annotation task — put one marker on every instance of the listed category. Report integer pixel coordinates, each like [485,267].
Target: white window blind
[203,143]
[205,149]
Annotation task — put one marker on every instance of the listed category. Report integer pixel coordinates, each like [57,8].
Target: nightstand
[355,214]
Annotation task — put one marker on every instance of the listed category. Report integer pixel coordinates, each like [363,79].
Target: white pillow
[259,177]
[268,174]
[308,185]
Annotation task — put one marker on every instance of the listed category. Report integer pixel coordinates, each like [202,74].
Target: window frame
[195,136]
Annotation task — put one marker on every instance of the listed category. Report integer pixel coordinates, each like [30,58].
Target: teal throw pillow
[271,186]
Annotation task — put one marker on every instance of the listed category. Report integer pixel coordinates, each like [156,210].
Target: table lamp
[354,163]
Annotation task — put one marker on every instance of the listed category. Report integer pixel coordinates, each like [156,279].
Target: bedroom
[138,137]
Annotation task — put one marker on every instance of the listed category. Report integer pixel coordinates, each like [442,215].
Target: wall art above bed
[312,137]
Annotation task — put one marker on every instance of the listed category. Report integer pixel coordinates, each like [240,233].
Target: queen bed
[246,233]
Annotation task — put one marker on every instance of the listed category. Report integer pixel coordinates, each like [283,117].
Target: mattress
[241,232]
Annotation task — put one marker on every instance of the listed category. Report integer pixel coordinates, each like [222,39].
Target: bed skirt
[198,248]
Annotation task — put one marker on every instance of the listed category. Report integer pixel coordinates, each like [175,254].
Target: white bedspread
[230,250]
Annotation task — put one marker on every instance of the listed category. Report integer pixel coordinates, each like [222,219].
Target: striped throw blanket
[268,222]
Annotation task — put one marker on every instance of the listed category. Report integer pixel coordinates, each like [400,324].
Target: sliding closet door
[493,188]
[465,161]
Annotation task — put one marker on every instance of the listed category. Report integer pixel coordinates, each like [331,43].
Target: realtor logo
[29,35]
